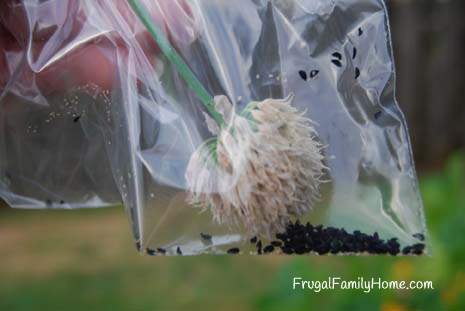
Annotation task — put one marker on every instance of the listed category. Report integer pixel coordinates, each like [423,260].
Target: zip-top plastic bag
[223,126]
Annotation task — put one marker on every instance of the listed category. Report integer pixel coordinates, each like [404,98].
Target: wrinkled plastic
[96,144]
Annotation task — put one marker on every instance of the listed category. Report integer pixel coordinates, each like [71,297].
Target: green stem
[177,61]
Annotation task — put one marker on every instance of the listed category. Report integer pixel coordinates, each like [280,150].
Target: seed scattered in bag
[336,62]
[337,55]
[233,250]
[205,236]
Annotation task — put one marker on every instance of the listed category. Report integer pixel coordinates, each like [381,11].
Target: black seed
[357,72]
[323,249]
[276,243]
[303,239]
[48,202]
[354,53]
[337,55]
[287,250]
[360,31]
[178,250]
[150,252]
[76,119]
[378,115]
[253,240]
[314,73]
[161,250]
[336,246]
[419,236]
[233,250]
[268,249]
[259,247]
[303,75]
[336,62]
[205,236]
[417,249]
[62,202]
[138,246]
[406,250]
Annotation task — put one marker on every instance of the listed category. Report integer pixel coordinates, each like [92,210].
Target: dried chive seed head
[266,166]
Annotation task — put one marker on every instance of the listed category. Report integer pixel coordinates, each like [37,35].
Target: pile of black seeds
[303,239]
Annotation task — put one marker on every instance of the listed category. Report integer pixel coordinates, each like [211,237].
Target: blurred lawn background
[85,260]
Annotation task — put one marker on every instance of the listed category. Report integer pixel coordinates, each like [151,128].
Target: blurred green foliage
[444,198]
[54,260]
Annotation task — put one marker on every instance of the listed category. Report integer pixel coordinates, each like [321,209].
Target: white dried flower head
[261,169]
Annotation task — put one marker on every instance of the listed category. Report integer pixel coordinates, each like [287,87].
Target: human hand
[52,46]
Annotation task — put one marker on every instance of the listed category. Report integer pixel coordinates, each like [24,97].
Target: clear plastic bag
[135,139]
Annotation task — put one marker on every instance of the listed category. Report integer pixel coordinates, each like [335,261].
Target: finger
[40,20]
[93,62]
[9,49]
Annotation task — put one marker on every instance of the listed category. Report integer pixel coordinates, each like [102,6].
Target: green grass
[85,260]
